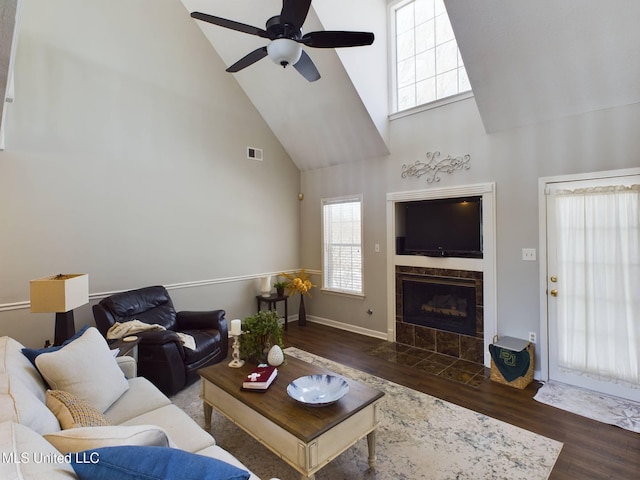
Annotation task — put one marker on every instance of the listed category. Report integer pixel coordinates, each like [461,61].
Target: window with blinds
[342,245]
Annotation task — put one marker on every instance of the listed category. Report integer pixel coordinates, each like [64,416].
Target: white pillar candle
[236,327]
[265,285]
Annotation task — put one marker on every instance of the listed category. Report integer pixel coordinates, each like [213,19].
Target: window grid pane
[424,10]
[342,253]
[428,63]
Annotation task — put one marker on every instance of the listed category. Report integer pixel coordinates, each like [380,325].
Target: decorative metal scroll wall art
[434,166]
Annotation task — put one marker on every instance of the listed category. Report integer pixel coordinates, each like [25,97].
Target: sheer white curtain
[599,269]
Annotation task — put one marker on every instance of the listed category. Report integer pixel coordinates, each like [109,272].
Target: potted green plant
[280,285]
[260,332]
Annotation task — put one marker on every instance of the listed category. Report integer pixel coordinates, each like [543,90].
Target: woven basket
[520,382]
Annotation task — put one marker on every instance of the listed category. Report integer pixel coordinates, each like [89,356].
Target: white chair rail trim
[6,307]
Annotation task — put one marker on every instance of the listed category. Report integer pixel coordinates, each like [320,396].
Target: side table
[126,348]
[272,303]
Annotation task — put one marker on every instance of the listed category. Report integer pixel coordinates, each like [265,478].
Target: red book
[260,377]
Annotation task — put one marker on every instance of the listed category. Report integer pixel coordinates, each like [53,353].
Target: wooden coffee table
[307,438]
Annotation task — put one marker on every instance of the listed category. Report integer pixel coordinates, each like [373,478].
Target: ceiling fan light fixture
[284,31]
[284,51]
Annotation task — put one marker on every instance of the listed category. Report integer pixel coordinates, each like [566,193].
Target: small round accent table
[272,303]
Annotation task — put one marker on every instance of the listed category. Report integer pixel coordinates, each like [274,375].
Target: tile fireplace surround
[464,347]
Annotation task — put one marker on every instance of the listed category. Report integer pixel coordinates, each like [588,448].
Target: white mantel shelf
[450,263]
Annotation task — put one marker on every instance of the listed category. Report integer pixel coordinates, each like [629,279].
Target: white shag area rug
[594,405]
[420,437]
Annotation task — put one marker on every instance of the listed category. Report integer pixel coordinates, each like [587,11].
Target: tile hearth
[434,363]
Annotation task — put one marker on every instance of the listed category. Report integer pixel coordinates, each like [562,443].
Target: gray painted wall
[126,159]
[514,160]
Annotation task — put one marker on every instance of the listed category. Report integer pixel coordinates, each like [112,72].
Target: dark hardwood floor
[591,450]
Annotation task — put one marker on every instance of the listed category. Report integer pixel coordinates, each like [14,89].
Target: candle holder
[236,362]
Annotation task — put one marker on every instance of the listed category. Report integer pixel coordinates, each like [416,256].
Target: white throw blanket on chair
[120,330]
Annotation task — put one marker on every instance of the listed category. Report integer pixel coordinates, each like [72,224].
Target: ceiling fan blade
[223,22]
[306,68]
[335,39]
[294,12]
[249,59]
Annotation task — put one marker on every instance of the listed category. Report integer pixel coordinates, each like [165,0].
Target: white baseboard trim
[344,326]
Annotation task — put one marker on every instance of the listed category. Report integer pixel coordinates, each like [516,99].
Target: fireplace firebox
[441,310]
[441,303]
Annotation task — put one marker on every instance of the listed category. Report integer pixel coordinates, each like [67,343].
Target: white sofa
[29,429]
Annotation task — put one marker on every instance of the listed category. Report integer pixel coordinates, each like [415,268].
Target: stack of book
[260,378]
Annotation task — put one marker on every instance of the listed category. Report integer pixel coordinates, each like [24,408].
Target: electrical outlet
[532,337]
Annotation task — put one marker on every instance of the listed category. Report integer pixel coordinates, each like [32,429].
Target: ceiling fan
[285,34]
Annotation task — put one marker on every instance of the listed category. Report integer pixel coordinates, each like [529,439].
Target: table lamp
[60,294]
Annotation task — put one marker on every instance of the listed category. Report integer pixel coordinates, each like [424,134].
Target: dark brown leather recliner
[161,356]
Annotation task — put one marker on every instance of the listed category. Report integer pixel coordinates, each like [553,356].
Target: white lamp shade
[59,293]
[284,51]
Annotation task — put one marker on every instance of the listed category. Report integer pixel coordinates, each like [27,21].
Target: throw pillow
[32,353]
[87,438]
[87,369]
[151,463]
[72,412]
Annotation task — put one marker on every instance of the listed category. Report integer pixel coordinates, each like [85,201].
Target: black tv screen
[450,227]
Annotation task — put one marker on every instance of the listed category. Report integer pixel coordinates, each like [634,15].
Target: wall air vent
[254,153]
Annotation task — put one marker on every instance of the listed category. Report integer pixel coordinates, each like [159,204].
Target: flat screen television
[449,227]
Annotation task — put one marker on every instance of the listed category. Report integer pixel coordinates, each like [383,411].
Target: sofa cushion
[13,362]
[128,365]
[85,368]
[182,430]
[32,353]
[87,438]
[24,452]
[19,404]
[72,412]
[141,397]
[135,462]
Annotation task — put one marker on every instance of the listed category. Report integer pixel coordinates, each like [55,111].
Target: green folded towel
[511,364]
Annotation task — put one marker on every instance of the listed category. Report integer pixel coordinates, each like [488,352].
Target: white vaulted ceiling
[326,122]
[533,61]
[528,62]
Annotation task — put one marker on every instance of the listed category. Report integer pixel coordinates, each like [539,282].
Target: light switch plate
[529,254]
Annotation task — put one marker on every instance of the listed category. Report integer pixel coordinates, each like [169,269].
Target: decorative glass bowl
[318,390]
